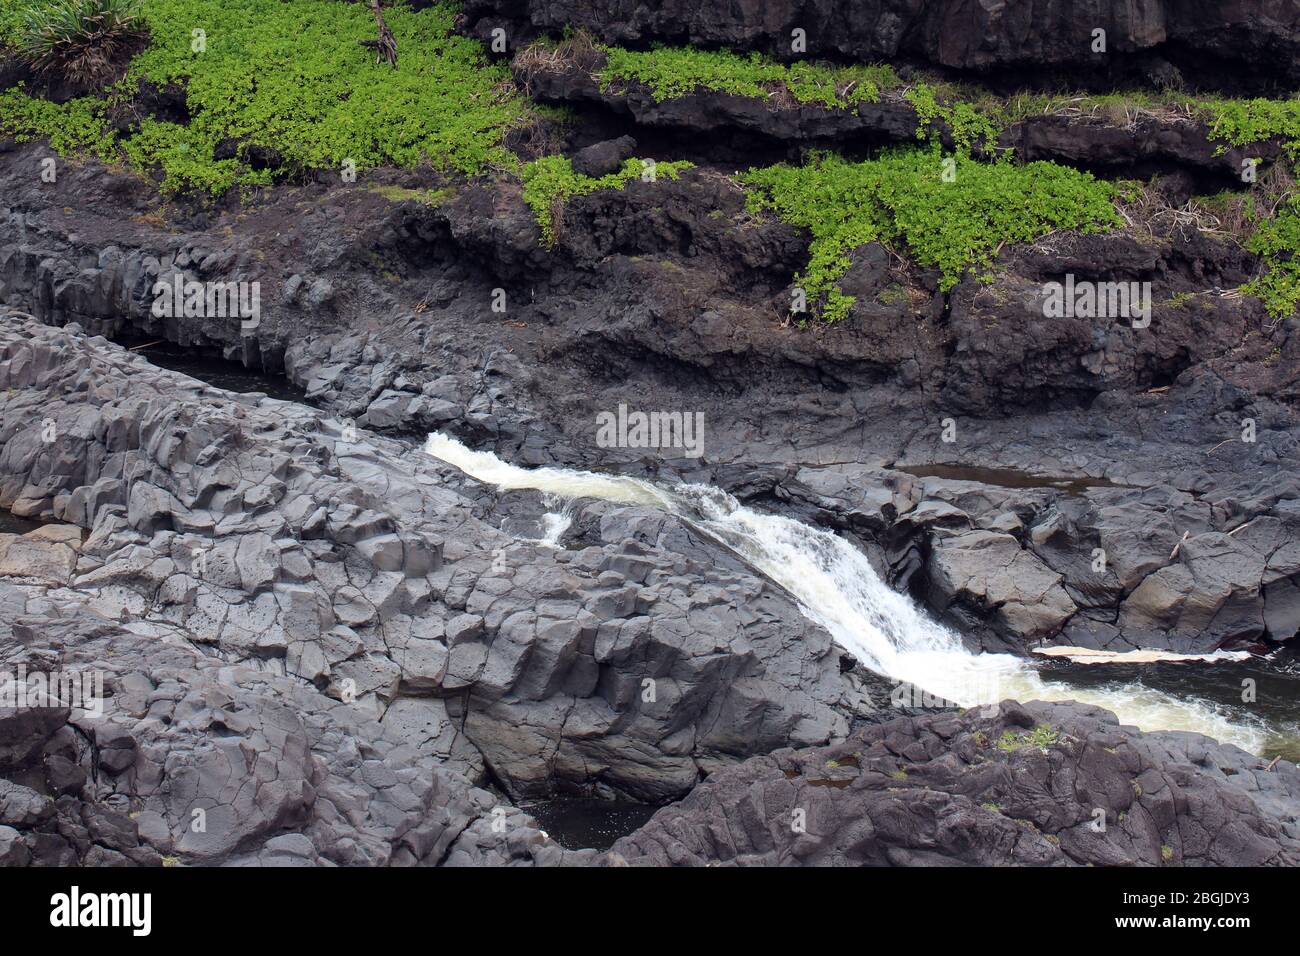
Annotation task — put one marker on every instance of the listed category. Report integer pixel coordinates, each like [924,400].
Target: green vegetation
[1277,219]
[675,71]
[1041,737]
[973,124]
[551,181]
[1277,237]
[290,85]
[73,127]
[1278,243]
[1243,122]
[976,120]
[11,22]
[293,78]
[1166,853]
[670,72]
[904,199]
[83,41]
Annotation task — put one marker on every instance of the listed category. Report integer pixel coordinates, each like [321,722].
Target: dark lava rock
[376,582]
[1038,785]
[1238,44]
[1122,144]
[601,159]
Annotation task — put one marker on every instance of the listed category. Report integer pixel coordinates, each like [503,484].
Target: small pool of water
[1007,478]
[580,823]
[1273,682]
[12,524]
[209,367]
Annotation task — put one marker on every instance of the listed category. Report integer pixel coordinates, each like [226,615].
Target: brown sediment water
[1007,478]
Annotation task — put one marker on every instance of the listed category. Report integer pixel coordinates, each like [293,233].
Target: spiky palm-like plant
[84,42]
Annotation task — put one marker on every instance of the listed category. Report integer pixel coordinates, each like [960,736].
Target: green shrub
[669,72]
[1041,737]
[294,78]
[186,160]
[11,22]
[74,127]
[85,42]
[1276,239]
[1277,242]
[1243,122]
[972,123]
[901,199]
[551,181]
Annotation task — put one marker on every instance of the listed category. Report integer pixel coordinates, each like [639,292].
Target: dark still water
[12,524]
[1007,478]
[580,823]
[208,366]
[1260,692]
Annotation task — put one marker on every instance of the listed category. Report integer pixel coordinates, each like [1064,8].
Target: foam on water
[835,585]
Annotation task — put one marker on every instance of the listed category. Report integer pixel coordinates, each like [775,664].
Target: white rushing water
[836,586]
[555,524]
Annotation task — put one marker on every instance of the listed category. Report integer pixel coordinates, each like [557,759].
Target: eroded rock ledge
[1248,45]
[1141,144]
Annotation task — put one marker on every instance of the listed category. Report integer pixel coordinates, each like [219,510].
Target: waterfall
[835,586]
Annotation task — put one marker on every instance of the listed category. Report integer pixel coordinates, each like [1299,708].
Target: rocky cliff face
[343,651]
[664,295]
[1245,45]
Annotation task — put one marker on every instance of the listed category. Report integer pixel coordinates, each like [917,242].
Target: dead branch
[386,46]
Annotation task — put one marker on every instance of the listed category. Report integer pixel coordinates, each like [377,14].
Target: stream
[835,586]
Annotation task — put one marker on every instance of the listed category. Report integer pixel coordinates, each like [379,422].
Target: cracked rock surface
[1036,784]
[345,614]
[320,646]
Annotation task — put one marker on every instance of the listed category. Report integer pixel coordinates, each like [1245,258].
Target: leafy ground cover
[551,181]
[293,81]
[950,212]
[293,78]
